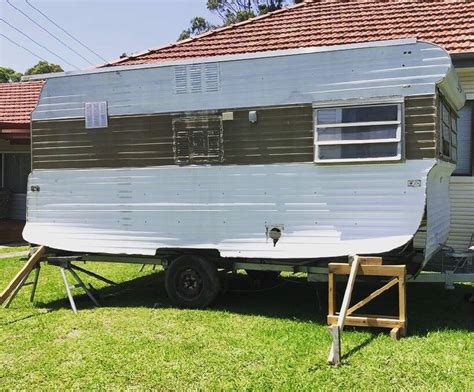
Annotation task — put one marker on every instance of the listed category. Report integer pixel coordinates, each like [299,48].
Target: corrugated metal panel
[461,199]
[280,135]
[17,206]
[126,142]
[462,212]
[465,153]
[419,240]
[361,71]
[466,78]
[420,127]
[324,210]
[437,208]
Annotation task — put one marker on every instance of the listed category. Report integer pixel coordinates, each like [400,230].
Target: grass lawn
[261,340]
[13,249]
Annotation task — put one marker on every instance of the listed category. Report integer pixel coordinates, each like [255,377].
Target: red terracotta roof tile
[17,101]
[322,23]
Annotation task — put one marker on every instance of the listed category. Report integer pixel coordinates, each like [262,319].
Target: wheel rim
[189,283]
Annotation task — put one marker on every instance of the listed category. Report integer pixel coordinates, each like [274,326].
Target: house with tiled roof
[313,23]
[316,23]
[17,101]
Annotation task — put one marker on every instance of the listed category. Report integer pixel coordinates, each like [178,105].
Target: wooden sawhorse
[364,266]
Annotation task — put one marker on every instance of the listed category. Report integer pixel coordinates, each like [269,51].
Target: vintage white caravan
[295,154]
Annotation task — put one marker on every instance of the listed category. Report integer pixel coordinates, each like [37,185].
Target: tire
[191,282]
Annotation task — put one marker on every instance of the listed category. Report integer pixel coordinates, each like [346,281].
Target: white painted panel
[360,71]
[17,206]
[437,208]
[326,211]
[462,212]
[465,153]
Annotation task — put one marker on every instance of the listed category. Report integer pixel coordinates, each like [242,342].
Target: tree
[43,67]
[199,25]
[8,75]
[232,11]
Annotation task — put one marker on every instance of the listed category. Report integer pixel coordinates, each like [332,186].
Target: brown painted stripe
[420,127]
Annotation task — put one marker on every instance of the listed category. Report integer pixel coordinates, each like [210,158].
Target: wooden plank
[402,302]
[344,307]
[373,295]
[395,333]
[370,260]
[26,269]
[367,270]
[331,295]
[335,333]
[369,321]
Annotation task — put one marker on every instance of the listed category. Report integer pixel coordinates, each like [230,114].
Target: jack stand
[23,283]
[66,266]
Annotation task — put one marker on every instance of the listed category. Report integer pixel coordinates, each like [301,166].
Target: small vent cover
[196,78]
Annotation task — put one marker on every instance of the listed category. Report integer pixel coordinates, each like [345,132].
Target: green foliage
[232,11]
[43,67]
[9,75]
[198,25]
[248,341]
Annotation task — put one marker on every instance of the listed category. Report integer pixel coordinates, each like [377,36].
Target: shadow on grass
[29,316]
[430,306]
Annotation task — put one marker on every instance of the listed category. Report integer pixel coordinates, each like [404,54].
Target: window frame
[398,101]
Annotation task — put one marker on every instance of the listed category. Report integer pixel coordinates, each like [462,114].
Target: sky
[108,27]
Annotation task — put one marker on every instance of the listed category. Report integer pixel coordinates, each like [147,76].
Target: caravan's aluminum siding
[461,194]
[280,135]
[437,208]
[461,227]
[126,142]
[358,72]
[420,127]
[323,210]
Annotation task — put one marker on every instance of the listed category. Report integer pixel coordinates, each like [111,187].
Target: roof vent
[196,78]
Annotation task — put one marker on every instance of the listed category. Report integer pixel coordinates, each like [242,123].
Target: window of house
[14,169]
[198,139]
[358,133]
[448,132]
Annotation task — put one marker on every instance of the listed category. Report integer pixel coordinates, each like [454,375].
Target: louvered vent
[196,78]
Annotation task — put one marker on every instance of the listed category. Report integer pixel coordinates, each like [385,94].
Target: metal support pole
[68,288]
[35,283]
[94,275]
[83,286]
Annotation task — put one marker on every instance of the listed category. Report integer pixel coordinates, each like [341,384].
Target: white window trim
[369,103]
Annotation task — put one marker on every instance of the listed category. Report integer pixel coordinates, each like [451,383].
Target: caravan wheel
[191,282]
